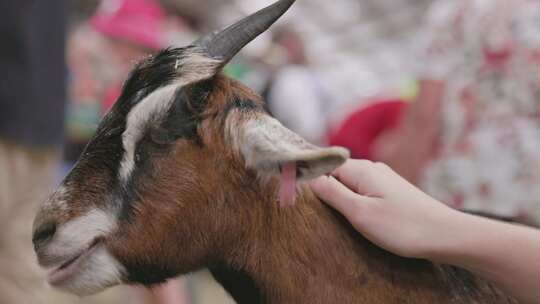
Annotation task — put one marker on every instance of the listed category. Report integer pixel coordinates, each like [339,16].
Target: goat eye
[161,136]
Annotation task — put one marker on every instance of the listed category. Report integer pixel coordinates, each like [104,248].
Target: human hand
[387,209]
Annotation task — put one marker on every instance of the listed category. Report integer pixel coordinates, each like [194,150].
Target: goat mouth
[71,267]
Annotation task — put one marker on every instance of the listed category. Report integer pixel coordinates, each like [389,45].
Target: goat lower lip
[69,268]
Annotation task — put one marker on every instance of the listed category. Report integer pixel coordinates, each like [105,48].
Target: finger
[337,195]
[360,176]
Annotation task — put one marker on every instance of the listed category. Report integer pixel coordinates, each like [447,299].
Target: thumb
[337,195]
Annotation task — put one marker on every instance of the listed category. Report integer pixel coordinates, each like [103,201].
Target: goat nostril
[44,234]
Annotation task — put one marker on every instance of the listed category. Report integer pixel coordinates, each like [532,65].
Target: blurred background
[447,92]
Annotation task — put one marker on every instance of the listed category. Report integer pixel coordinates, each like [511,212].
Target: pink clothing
[138,21]
[488,54]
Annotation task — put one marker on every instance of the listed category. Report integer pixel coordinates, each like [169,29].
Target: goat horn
[224,45]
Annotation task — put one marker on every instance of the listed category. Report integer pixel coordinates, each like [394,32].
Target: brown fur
[201,207]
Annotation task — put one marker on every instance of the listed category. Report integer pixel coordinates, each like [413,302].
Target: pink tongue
[287,188]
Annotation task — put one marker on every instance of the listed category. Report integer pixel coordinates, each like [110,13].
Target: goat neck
[310,254]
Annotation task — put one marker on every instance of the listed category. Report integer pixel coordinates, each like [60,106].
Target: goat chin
[94,273]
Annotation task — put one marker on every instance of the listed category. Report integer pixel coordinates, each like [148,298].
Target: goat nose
[43,234]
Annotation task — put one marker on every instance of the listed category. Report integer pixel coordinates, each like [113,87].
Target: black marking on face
[151,74]
[186,113]
[100,157]
[182,121]
[103,155]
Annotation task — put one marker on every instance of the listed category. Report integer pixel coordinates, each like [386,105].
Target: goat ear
[267,145]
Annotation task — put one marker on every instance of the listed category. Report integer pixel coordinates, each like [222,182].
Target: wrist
[447,239]
[463,240]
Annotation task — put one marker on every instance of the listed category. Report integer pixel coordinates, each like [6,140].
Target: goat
[183,174]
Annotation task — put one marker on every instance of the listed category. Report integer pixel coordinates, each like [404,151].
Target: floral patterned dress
[488,54]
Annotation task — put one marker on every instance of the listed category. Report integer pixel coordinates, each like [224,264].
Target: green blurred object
[82,120]
[409,89]
[237,70]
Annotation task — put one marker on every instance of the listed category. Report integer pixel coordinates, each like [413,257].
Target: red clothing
[360,130]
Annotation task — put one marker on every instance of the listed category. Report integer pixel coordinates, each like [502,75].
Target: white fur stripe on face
[152,109]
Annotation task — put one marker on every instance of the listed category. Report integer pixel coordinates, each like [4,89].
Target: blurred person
[294,95]
[101,53]
[472,138]
[32,101]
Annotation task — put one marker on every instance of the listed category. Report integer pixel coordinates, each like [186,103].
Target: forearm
[408,148]
[506,254]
